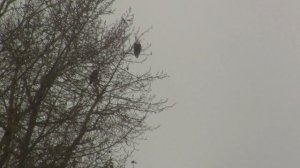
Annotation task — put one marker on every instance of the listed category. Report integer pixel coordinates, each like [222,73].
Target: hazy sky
[235,76]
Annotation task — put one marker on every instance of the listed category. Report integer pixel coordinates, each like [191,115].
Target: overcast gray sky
[235,76]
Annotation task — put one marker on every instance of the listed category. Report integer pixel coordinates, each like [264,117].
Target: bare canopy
[50,116]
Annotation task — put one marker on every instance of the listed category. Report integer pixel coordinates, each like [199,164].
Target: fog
[234,69]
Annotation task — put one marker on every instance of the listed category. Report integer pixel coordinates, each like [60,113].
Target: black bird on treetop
[94,76]
[137,48]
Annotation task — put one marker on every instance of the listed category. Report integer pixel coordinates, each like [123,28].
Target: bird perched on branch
[94,76]
[133,162]
[137,48]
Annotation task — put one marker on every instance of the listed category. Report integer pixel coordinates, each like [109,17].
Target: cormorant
[137,48]
[94,76]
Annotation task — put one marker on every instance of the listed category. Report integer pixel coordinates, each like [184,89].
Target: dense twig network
[67,95]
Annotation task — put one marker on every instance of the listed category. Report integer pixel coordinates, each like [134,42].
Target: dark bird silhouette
[133,162]
[137,48]
[94,76]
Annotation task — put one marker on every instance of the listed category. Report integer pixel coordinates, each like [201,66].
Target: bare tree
[51,113]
